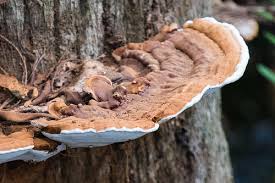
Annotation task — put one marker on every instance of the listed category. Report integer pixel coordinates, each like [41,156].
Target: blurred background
[249,104]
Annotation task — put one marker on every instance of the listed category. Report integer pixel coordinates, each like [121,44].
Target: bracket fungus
[56,106]
[16,88]
[239,16]
[119,98]
[22,145]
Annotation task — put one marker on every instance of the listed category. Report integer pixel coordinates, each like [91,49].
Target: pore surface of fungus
[119,98]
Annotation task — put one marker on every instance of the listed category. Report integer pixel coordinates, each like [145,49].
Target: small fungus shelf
[239,16]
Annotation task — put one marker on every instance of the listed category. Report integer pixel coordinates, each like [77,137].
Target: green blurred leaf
[266,72]
[272,1]
[270,37]
[266,15]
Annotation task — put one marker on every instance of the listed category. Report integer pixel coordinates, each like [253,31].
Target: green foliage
[266,72]
[266,15]
[263,70]
[270,37]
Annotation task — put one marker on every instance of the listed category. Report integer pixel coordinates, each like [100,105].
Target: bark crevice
[56,29]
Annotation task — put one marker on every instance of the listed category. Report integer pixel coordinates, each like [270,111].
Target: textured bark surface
[191,148]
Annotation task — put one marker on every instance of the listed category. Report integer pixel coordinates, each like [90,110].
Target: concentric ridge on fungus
[145,84]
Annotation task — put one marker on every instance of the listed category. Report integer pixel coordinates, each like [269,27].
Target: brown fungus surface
[178,69]
[56,106]
[44,144]
[21,139]
[100,124]
[16,88]
[125,96]
[15,116]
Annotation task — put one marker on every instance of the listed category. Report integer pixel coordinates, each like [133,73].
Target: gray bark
[191,148]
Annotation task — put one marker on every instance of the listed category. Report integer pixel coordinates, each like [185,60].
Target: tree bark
[191,148]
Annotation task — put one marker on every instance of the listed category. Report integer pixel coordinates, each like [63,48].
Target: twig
[16,103]
[6,102]
[63,56]
[35,65]
[44,94]
[22,117]
[4,71]
[33,108]
[25,69]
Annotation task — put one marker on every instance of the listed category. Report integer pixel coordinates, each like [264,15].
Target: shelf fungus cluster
[88,103]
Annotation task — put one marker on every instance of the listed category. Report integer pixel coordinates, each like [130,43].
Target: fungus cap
[20,146]
[95,84]
[239,16]
[55,107]
[16,88]
[205,55]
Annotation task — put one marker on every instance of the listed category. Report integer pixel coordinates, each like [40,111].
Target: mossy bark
[191,148]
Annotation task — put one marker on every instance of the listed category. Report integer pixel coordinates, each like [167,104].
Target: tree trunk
[191,148]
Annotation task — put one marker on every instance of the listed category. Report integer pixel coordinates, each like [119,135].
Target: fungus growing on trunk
[239,16]
[19,90]
[125,97]
[22,145]
[56,106]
